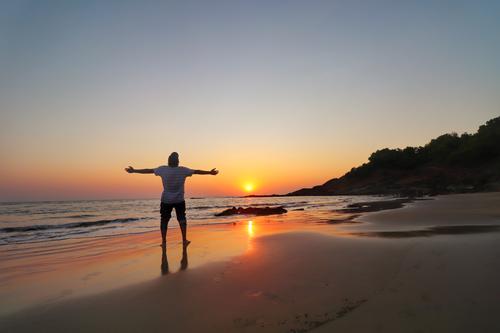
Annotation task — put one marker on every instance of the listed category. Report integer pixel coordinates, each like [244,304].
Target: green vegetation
[447,164]
[447,150]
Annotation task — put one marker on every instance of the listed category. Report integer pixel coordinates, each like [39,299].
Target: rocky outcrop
[447,164]
[252,211]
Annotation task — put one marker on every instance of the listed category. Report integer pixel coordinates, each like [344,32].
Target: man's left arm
[212,172]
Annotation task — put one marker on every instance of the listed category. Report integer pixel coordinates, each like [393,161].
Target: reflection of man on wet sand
[173,178]
[164,260]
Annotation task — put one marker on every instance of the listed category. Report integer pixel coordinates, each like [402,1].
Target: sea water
[28,222]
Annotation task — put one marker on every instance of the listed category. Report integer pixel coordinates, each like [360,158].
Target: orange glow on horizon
[104,178]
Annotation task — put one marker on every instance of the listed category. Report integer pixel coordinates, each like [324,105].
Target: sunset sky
[277,94]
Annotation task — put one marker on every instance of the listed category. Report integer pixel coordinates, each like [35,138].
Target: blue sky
[255,86]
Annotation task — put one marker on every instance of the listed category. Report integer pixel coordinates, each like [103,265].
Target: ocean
[32,222]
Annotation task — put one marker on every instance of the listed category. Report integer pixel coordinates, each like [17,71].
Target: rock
[252,211]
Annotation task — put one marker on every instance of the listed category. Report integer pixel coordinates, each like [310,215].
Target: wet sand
[292,277]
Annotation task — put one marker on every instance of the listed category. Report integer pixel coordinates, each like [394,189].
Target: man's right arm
[145,171]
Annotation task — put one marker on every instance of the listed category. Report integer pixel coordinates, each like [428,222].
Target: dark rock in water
[252,211]
[374,206]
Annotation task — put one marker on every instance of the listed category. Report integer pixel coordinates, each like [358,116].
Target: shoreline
[293,275]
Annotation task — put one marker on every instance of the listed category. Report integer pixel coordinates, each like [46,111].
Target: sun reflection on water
[250,230]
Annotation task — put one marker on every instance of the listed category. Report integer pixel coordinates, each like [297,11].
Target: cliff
[450,163]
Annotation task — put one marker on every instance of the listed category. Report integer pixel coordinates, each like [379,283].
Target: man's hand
[214,171]
[130,169]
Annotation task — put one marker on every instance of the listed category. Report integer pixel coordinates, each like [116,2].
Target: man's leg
[184,260]
[180,212]
[166,213]
[163,229]
[164,260]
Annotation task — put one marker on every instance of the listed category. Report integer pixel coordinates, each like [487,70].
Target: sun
[248,187]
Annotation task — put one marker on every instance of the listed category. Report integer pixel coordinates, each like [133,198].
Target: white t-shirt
[173,179]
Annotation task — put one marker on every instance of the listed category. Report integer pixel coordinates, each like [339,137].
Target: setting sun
[249,187]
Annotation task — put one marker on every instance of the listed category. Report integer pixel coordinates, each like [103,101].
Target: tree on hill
[446,150]
[448,163]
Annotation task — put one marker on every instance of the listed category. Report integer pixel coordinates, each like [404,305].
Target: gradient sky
[284,94]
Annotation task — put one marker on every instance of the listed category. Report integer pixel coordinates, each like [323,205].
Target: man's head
[173,160]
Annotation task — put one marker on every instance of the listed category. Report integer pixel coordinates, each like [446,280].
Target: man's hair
[173,160]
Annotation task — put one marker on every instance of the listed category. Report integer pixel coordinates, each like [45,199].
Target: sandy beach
[431,266]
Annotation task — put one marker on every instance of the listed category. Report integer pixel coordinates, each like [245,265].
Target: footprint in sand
[90,276]
[265,295]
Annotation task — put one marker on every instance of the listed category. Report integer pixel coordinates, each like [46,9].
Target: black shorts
[180,210]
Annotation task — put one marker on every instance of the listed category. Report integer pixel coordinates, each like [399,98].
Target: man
[173,177]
